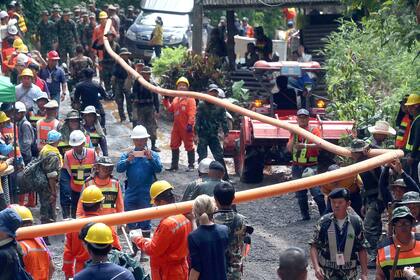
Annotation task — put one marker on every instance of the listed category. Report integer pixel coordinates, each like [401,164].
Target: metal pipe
[185,207]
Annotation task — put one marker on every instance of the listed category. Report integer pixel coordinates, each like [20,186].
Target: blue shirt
[140,175]
[207,246]
[104,271]
[54,78]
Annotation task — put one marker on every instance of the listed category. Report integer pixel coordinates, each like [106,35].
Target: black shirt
[89,92]
[145,96]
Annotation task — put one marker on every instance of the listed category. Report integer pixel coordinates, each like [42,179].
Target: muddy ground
[276,220]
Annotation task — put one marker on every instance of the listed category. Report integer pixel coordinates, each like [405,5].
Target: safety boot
[191,160]
[175,160]
[154,148]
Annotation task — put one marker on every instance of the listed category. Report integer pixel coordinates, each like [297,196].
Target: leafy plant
[169,58]
[239,92]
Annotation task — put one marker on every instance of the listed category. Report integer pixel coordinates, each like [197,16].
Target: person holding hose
[413,143]
[184,109]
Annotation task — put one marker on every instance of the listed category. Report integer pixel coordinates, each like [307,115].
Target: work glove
[189,128]
[134,234]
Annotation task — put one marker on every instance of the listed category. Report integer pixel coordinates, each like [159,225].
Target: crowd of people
[63,157]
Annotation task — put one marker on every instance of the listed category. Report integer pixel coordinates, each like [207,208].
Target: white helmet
[20,107]
[139,132]
[77,138]
[21,59]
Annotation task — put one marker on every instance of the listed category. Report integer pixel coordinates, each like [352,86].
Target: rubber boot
[154,148]
[21,199]
[31,199]
[175,160]
[191,160]
[143,258]
[226,176]
[304,209]
[320,202]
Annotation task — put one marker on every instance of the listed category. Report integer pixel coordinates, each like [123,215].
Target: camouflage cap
[45,13]
[410,197]
[398,183]
[73,114]
[105,161]
[66,12]
[56,6]
[130,8]
[358,145]
[402,212]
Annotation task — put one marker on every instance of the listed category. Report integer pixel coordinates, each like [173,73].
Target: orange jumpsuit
[36,258]
[168,249]
[74,251]
[111,189]
[184,109]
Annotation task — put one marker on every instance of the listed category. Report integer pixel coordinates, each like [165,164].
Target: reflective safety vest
[8,132]
[21,22]
[301,156]
[386,256]
[42,128]
[36,258]
[409,146]
[110,191]
[403,132]
[80,169]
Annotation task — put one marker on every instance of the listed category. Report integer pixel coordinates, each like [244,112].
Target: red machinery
[257,144]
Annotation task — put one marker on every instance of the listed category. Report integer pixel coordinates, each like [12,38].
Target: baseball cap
[10,221]
[301,112]
[339,193]
[203,166]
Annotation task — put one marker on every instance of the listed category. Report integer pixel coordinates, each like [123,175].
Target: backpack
[124,260]
[32,178]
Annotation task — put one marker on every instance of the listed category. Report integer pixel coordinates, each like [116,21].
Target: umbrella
[7,90]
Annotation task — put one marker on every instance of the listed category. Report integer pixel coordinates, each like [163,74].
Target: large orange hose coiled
[379,157]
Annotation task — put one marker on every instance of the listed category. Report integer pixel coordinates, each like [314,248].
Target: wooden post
[231,32]
[197,30]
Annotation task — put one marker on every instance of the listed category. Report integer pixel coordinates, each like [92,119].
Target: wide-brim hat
[124,51]
[52,104]
[146,70]
[358,145]
[90,110]
[382,127]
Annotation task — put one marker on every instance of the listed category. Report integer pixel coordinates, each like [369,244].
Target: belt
[333,265]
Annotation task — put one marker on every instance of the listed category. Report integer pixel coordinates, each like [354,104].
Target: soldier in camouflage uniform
[67,36]
[55,14]
[107,63]
[83,28]
[78,64]
[239,230]
[119,81]
[145,107]
[338,242]
[209,118]
[46,33]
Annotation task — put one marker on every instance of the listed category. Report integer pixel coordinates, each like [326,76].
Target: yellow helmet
[102,15]
[26,72]
[183,80]
[23,212]
[92,194]
[23,49]
[99,233]
[3,117]
[17,43]
[157,188]
[413,99]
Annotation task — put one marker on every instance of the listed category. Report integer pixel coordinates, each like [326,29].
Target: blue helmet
[53,136]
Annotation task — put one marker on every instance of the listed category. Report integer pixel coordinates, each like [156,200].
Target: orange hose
[380,157]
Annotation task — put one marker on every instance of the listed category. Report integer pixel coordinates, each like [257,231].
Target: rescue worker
[51,165]
[224,194]
[380,134]
[140,166]
[109,185]
[45,125]
[67,36]
[78,64]
[403,124]
[10,221]
[36,256]
[95,130]
[98,243]
[372,204]
[168,249]
[413,143]
[40,112]
[78,162]
[119,77]
[402,221]
[46,33]
[209,119]
[203,175]
[305,155]
[27,91]
[37,80]
[75,254]
[184,109]
[146,106]
[337,246]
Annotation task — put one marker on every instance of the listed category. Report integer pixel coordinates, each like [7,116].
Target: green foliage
[239,92]
[372,65]
[200,71]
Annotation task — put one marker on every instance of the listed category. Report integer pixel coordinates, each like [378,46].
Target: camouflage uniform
[67,38]
[237,231]
[47,36]
[51,164]
[191,187]
[321,242]
[107,65]
[208,120]
[84,30]
[77,64]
